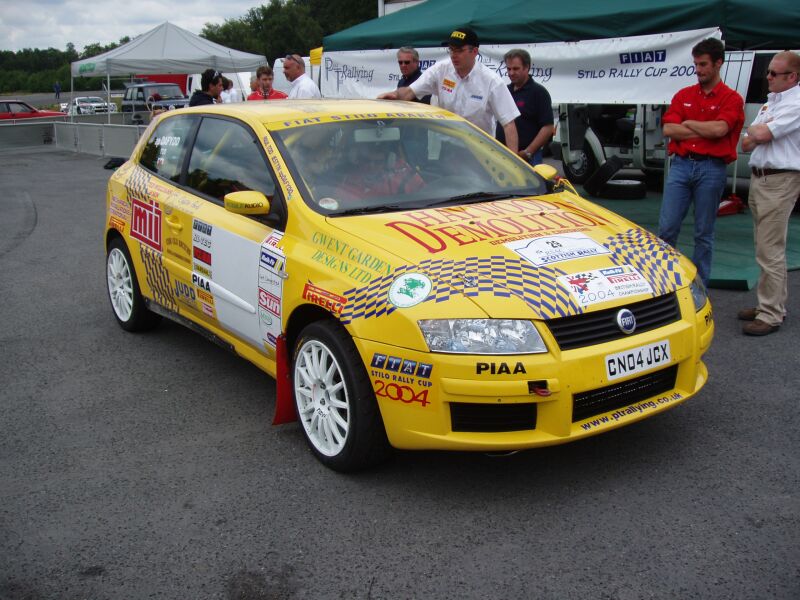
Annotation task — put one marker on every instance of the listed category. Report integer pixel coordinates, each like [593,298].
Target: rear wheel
[123,290]
[335,402]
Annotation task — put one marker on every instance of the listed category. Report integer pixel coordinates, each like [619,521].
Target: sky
[53,23]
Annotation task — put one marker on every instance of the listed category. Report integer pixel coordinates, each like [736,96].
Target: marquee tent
[167,49]
[745,24]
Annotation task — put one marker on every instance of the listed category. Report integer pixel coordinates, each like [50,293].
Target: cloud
[54,23]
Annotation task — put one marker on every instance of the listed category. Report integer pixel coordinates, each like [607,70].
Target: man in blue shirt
[535,123]
[408,61]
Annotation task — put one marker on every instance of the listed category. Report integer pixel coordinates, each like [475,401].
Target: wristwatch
[527,154]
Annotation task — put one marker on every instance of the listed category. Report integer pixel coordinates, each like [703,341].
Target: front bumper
[496,403]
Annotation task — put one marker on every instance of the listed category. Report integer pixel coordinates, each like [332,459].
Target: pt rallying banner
[645,69]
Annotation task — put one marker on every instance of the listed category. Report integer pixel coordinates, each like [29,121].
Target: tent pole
[71,94]
[108,96]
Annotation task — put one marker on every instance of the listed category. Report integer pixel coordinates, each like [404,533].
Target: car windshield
[164,92]
[381,165]
[93,99]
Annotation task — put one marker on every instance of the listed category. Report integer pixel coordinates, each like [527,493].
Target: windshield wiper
[478,197]
[364,210]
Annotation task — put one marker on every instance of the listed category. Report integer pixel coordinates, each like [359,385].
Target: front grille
[492,417]
[597,327]
[595,402]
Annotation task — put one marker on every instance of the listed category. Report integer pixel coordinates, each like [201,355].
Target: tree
[294,26]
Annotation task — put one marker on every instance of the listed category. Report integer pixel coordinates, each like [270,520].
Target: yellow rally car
[407,280]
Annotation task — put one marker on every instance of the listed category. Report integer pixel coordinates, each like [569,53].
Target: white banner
[645,69]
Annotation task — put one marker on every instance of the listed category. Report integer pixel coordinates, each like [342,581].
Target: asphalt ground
[145,466]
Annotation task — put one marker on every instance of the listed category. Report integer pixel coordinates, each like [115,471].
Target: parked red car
[15,109]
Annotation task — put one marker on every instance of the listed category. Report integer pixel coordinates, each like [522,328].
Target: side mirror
[247,203]
[546,172]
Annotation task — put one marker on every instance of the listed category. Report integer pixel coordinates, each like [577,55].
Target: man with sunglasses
[703,123]
[466,87]
[294,68]
[211,87]
[408,61]
[774,142]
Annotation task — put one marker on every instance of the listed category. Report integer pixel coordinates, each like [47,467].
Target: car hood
[558,255]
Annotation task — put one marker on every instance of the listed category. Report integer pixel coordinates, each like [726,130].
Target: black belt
[764,172]
[695,156]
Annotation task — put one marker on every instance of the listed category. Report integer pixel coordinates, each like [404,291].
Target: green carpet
[734,264]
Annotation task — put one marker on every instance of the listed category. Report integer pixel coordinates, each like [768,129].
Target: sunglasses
[771,73]
[296,59]
[404,62]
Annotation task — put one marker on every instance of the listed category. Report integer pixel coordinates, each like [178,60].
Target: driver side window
[226,158]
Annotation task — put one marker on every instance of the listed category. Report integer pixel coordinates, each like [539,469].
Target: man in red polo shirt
[703,124]
[265,91]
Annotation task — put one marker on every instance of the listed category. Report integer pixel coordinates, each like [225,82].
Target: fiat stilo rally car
[408,281]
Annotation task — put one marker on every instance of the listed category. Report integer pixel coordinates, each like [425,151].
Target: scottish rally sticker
[557,248]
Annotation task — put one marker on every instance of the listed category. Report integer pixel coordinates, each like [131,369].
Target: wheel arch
[111,235]
[301,316]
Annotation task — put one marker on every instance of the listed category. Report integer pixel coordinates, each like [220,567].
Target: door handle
[174,223]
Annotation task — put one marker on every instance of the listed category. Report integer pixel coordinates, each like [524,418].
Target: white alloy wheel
[321,395]
[120,284]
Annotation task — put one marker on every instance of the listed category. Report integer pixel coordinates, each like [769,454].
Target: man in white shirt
[294,68]
[466,87]
[774,140]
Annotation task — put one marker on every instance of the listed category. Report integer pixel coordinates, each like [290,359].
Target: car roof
[278,112]
[152,83]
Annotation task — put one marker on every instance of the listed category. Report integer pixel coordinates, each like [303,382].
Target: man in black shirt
[535,123]
[408,61]
[211,84]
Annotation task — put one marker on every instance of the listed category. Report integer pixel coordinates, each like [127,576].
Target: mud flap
[285,411]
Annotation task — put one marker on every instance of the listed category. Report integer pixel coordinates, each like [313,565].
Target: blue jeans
[701,182]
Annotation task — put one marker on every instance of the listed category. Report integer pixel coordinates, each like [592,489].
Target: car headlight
[482,336]
[699,294]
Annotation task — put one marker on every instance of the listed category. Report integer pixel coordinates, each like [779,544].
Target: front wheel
[335,402]
[123,290]
[582,165]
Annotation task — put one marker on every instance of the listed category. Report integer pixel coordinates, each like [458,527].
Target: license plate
[638,360]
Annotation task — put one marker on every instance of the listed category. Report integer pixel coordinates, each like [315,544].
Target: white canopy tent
[165,49]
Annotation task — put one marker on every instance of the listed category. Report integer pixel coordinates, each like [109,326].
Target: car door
[237,271]
[20,110]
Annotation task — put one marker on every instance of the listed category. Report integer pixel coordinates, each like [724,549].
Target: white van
[590,134]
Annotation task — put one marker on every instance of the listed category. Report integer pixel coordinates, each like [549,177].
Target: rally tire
[580,170]
[623,189]
[335,403]
[594,184]
[127,302]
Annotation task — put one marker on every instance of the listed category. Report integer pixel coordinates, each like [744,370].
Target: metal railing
[96,138]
